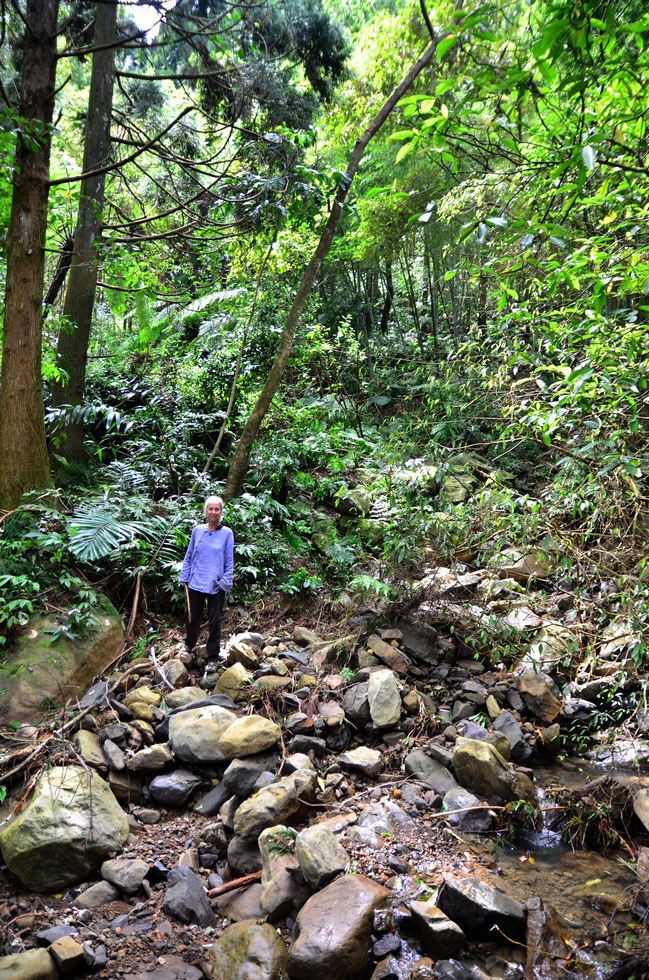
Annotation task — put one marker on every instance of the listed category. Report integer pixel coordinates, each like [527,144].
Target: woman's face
[214,513]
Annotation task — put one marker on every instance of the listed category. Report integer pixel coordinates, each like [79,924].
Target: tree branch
[128,159]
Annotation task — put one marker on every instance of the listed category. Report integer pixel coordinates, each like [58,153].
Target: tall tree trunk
[23,450]
[239,463]
[72,351]
[389,295]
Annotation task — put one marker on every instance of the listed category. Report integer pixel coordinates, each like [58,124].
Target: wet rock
[356,705]
[476,907]
[320,855]
[429,771]
[151,759]
[249,735]
[388,944]
[385,817]
[274,804]
[235,682]
[114,756]
[332,932]
[194,734]
[472,820]
[174,789]
[244,857]
[248,951]
[479,767]
[125,873]
[67,955]
[367,762]
[90,750]
[546,947]
[210,804]
[440,936]
[185,898]
[536,690]
[68,828]
[96,896]
[242,774]
[384,699]
[353,503]
[388,969]
[35,964]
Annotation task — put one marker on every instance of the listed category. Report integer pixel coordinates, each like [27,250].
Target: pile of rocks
[287,769]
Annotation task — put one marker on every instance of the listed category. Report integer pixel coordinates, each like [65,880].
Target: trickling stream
[591,890]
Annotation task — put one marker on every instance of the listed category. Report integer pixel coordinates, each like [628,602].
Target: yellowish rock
[143,694]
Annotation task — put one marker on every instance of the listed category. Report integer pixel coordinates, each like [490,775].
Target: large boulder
[72,823]
[248,951]
[333,930]
[35,964]
[274,804]
[249,735]
[481,769]
[194,734]
[476,908]
[41,671]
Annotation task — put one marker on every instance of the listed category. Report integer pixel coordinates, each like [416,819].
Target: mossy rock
[41,672]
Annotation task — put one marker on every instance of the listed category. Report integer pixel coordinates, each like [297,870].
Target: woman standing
[207,574]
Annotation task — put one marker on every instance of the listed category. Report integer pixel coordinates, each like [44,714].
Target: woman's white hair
[212,500]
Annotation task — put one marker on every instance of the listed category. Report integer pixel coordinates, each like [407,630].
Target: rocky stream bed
[378,805]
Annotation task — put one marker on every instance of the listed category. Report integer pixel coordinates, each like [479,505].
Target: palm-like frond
[96,533]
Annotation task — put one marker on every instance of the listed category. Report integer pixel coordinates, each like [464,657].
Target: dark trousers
[215,604]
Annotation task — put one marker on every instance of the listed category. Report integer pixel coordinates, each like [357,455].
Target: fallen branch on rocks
[62,731]
[231,886]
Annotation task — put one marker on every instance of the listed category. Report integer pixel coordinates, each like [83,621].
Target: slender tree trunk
[72,352]
[389,295]
[23,449]
[239,463]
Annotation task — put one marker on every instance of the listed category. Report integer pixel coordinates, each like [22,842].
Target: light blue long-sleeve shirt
[209,560]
